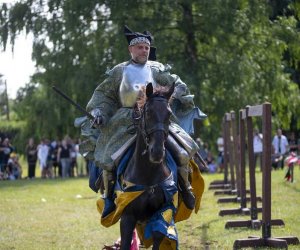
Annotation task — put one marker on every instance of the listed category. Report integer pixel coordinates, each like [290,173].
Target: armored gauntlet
[98,118]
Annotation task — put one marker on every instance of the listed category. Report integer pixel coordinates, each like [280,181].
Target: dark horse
[147,166]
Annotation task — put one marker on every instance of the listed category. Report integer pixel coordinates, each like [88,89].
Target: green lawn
[61,214]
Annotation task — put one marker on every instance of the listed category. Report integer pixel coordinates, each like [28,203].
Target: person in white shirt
[280,145]
[257,147]
[42,154]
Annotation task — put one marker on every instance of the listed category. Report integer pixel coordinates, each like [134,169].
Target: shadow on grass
[204,234]
[205,229]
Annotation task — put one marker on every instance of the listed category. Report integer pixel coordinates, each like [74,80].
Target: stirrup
[109,206]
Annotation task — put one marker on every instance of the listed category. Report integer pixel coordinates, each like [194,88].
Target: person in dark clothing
[5,150]
[64,157]
[2,166]
[293,143]
[56,166]
[31,155]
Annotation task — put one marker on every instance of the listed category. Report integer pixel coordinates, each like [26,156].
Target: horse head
[155,121]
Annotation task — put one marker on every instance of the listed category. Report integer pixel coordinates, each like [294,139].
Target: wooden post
[240,142]
[266,240]
[230,149]
[222,184]
[254,223]
[252,180]
[240,145]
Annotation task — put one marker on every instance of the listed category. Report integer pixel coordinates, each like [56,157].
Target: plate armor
[135,78]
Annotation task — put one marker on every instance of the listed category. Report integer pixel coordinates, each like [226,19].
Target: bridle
[140,121]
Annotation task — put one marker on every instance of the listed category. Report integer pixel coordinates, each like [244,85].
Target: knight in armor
[112,106]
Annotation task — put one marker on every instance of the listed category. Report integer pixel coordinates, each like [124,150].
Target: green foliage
[9,128]
[14,131]
[231,53]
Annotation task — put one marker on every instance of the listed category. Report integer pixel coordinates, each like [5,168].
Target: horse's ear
[149,90]
[170,91]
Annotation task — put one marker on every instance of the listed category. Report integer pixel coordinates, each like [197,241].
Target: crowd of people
[61,158]
[56,158]
[282,147]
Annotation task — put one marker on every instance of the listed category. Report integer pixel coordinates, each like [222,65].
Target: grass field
[61,214]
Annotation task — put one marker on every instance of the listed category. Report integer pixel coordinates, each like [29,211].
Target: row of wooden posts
[234,182]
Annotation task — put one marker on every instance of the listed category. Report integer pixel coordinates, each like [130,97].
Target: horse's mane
[157,91]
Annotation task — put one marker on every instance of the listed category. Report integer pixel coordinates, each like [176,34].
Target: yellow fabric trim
[183,213]
[166,244]
[168,215]
[197,183]
[122,200]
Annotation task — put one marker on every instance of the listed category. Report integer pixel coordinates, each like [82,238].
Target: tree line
[231,53]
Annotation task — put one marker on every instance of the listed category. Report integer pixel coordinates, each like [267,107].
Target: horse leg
[127,226]
[157,239]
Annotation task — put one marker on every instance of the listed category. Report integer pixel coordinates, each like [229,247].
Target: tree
[231,53]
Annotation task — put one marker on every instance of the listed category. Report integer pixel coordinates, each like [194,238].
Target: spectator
[49,161]
[64,157]
[257,147]
[280,145]
[56,165]
[293,143]
[31,156]
[73,164]
[2,165]
[220,145]
[42,157]
[14,168]
[212,166]
[5,150]
[275,160]
[79,159]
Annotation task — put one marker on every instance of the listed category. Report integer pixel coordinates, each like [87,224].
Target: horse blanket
[164,220]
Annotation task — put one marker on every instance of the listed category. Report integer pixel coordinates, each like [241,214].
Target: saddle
[183,138]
